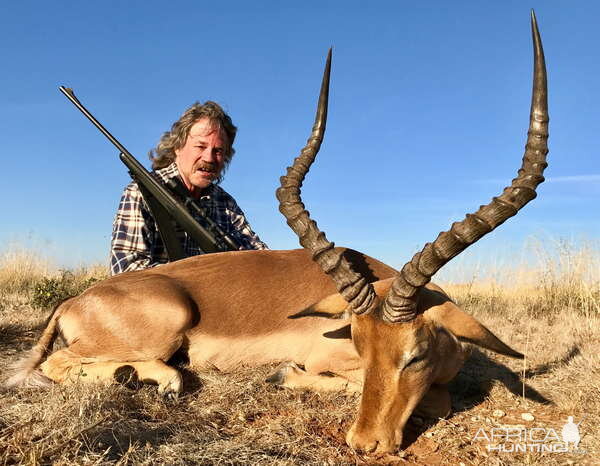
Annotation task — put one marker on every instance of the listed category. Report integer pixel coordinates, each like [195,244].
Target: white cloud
[549,179]
[573,178]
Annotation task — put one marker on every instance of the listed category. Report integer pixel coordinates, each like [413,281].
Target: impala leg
[333,365]
[290,375]
[167,378]
[64,366]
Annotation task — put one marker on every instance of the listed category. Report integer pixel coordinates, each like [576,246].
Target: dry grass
[551,313]
[20,269]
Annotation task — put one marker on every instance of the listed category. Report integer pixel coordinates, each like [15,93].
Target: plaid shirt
[136,243]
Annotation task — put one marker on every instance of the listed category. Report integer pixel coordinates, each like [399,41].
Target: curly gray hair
[164,155]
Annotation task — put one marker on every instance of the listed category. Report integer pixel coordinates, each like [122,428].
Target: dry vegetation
[550,311]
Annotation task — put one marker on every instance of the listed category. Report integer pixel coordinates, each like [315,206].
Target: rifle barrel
[69,94]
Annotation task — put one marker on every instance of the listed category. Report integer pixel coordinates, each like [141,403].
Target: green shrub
[47,292]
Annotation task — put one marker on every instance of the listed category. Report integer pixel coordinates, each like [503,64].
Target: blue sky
[428,114]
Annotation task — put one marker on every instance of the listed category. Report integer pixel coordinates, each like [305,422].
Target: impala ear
[336,307]
[468,329]
[331,307]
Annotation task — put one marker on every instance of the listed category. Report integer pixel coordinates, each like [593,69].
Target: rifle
[164,206]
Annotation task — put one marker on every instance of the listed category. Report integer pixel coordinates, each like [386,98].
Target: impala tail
[25,372]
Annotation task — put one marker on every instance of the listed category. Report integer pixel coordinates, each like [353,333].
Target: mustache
[206,166]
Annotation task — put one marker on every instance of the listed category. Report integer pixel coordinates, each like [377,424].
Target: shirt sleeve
[133,234]
[242,230]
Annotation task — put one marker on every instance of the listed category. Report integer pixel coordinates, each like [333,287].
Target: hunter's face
[202,157]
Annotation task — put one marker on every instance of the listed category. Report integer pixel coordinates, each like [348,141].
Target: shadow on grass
[470,388]
[115,441]
[15,337]
[115,444]
[550,366]
[475,381]
[138,437]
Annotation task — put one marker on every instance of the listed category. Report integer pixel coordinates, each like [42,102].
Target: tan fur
[394,386]
[376,363]
[254,307]
[226,310]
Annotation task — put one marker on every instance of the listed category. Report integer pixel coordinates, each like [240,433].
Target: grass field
[549,310]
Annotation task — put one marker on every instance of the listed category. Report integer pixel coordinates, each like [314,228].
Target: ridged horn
[351,285]
[400,305]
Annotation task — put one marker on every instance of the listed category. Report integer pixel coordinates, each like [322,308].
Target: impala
[393,336]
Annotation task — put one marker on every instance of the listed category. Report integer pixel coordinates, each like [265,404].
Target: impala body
[393,336]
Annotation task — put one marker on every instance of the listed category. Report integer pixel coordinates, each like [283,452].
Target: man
[197,150]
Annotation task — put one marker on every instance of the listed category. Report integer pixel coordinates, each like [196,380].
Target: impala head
[408,333]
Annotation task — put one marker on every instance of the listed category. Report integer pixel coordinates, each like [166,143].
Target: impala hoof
[278,377]
[171,388]
[170,396]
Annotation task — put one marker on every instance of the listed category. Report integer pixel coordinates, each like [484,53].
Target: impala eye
[416,360]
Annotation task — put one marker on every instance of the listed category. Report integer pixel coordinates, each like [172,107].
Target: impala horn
[352,286]
[400,305]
